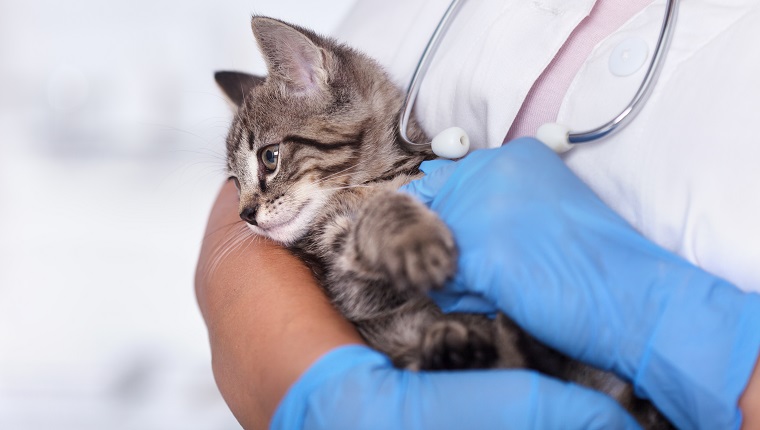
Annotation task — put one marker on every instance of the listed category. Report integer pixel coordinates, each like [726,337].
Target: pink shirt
[545,97]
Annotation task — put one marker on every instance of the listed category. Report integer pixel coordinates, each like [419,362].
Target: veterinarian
[636,254]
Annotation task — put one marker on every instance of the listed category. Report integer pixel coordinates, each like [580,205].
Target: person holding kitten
[548,252]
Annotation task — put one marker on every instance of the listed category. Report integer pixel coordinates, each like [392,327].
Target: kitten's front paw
[405,243]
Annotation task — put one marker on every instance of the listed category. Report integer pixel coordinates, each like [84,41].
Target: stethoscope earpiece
[451,143]
[555,136]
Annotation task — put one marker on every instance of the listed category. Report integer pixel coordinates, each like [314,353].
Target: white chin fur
[291,231]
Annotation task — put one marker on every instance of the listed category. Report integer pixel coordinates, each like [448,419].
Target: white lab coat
[685,172]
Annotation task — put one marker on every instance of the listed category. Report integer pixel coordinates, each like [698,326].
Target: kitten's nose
[249,214]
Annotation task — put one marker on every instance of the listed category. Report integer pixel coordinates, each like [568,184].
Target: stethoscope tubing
[645,89]
[422,66]
[617,123]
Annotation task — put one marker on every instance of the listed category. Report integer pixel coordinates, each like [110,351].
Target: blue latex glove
[538,244]
[356,388]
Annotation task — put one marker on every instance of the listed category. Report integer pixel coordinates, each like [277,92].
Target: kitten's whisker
[301,191]
[250,238]
[234,229]
[229,246]
[231,225]
[333,179]
[175,129]
[332,175]
[222,250]
[253,239]
[347,187]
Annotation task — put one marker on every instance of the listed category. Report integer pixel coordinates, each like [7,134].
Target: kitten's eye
[269,156]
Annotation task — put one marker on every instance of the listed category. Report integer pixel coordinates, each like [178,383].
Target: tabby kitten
[316,156]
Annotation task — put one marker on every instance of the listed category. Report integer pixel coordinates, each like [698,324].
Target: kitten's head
[322,120]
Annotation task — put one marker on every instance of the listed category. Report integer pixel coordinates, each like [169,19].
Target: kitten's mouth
[292,229]
[274,226]
[265,228]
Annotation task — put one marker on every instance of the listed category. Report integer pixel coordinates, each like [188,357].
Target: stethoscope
[454,142]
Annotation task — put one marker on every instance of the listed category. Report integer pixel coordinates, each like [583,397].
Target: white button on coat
[628,57]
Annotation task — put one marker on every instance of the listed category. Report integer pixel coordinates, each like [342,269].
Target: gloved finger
[509,398]
[431,166]
[353,387]
[437,172]
[458,302]
[569,406]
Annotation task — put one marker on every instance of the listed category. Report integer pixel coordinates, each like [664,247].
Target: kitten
[315,154]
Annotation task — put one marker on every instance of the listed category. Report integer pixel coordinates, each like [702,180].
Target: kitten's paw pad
[422,258]
[450,344]
[404,242]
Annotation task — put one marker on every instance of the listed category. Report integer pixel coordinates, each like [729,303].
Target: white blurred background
[111,151]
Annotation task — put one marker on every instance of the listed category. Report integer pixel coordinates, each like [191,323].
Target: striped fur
[331,197]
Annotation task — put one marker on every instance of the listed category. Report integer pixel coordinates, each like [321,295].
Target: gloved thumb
[437,173]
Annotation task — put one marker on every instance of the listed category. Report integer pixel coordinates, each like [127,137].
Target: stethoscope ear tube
[645,89]
[455,144]
[414,85]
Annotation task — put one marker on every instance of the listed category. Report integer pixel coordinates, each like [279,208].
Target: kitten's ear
[236,84]
[290,55]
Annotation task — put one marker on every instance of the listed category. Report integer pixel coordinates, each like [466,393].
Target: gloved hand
[354,387]
[538,244]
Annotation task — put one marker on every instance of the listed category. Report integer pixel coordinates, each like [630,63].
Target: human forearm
[267,318]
